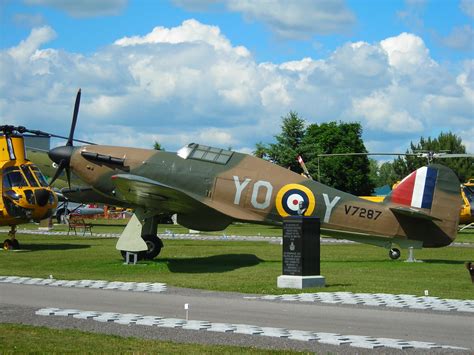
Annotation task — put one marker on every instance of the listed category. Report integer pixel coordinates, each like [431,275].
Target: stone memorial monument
[301,253]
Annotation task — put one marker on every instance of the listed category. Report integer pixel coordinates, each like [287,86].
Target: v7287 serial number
[362,212]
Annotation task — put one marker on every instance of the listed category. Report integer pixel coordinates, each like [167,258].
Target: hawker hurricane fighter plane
[209,188]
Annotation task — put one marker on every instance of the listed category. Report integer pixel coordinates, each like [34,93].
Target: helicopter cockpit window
[29,175]
[469,194]
[39,176]
[13,178]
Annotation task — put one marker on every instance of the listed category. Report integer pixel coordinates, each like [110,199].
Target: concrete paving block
[275,332]
[85,283]
[46,311]
[465,309]
[86,315]
[423,345]
[221,327]
[395,343]
[289,297]
[196,325]
[106,317]
[366,345]
[126,320]
[34,281]
[270,297]
[20,280]
[301,335]
[46,282]
[57,283]
[247,329]
[148,320]
[67,312]
[332,341]
[70,284]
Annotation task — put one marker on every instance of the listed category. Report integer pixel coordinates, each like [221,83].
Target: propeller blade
[74,119]
[61,167]
[68,175]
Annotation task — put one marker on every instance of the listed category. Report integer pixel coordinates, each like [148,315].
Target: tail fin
[431,195]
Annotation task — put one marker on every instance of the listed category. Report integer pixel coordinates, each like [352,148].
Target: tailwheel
[394,253]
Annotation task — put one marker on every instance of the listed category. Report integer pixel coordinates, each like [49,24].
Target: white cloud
[381,114]
[29,46]
[190,83]
[460,38]
[29,20]
[83,8]
[297,19]
[288,19]
[467,6]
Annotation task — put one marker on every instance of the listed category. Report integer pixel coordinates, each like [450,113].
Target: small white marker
[427,293]
[186,307]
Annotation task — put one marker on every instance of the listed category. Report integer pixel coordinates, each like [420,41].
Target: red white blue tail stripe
[417,189]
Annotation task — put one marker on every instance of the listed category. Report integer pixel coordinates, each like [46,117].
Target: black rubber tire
[154,245]
[15,244]
[394,253]
[7,244]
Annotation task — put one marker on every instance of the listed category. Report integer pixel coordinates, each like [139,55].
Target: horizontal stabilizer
[414,213]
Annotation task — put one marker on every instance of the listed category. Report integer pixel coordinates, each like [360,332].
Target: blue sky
[224,72]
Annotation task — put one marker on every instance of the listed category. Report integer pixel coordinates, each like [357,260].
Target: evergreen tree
[445,142]
[158,146]
[288,145]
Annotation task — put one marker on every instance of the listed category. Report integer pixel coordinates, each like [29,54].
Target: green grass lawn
[250,267]
[30,339]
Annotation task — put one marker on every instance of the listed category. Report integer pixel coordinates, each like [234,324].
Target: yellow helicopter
[25,193]
[467,208]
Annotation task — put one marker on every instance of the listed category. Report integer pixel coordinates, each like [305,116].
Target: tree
[158,146]
[351,174]
[463,167]
[288,145]
[347,173]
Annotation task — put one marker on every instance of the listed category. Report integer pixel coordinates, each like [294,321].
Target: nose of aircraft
[62,153]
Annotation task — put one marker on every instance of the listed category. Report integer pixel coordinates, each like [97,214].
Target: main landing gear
[139,237]
[11,242]
[154,245]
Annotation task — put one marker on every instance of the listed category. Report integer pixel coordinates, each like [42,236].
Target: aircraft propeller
[62,155]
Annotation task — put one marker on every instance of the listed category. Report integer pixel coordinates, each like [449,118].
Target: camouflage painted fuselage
[208,195]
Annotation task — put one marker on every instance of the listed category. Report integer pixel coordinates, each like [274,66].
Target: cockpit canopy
[205,153]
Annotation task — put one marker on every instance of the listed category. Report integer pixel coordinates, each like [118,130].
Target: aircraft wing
[149,193]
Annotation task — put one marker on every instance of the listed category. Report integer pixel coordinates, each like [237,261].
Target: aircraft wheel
[154,245]
[7,244]
[394,253]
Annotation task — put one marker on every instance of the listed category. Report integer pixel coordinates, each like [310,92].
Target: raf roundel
[291,197]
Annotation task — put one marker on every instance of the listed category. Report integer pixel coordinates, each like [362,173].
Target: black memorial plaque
[301,246]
